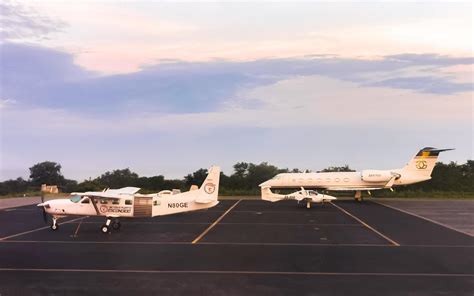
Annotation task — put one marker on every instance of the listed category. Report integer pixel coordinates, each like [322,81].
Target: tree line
[244,180]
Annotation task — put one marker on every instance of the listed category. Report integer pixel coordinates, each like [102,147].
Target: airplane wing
[99,194]
[124,190]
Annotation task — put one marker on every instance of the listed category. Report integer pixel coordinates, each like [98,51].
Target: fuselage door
[142,206]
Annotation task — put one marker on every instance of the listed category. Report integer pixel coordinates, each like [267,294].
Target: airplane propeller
[45,215]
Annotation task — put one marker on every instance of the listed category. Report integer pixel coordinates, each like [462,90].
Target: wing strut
[94,204]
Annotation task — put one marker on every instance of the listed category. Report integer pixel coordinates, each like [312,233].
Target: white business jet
[126,202]
[417,170]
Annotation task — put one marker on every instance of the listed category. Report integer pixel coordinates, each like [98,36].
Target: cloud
[301,102]
[426,84]
[431,59]
[40,77]
[21,22]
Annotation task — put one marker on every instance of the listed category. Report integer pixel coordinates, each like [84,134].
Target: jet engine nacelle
[376,176]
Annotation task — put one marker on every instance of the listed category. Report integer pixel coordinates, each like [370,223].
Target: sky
[171,87]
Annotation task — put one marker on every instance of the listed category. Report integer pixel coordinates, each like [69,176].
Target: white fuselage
[335,180]
[127,206]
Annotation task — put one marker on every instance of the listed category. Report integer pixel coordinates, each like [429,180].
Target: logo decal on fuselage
[115,209]
[421,164]
[209,188]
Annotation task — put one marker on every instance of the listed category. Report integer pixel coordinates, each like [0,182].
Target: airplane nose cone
[44,204]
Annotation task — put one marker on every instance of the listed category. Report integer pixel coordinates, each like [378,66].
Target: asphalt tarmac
[245,247]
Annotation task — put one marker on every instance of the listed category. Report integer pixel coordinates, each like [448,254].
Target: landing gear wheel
[358,196]
[54,226]
[308,204]
[104,229]
[116,225]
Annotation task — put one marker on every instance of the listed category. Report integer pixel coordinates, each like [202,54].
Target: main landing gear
[308,204]
[109,224]
[358,196]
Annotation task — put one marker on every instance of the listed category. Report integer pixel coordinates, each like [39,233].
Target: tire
[116,226]
[54,227]
[104,229]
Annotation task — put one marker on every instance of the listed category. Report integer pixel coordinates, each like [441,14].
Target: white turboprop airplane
[417,170]
[125,202]
[302,195]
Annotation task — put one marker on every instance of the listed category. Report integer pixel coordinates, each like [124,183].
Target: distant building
[49,188]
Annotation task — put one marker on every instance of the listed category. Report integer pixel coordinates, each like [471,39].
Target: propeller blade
[45,216]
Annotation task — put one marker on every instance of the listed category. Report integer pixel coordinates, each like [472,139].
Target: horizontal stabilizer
[204,200]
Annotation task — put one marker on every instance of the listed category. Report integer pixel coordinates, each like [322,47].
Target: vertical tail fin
[423,163]
[210,187]
[268,195]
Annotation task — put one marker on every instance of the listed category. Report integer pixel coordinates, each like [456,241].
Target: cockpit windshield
[76,198]
[276,177]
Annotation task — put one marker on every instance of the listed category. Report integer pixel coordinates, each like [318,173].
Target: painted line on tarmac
[230,244]
[424,218]
[153,223]
[281,212]
[215,223]
[232,223]
[239,272]
[368,226]
[34,230]
[79,226]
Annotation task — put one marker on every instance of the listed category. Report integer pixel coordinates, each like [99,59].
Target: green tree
[241,169]
[14,186]
[195,178]
[344,168]
[258,173]
[118,178]
[46,172]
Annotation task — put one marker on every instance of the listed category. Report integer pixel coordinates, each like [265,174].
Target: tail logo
[209,188]
[421,164]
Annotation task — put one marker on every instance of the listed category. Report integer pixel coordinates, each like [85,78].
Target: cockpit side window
[75,198]
[86,200]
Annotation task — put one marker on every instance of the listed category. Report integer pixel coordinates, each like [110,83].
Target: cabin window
[328,179]
[337,180]
[115,202]
[86,201]
[346,179]
[128,202]
[320,180]
[156,203]
[103,201]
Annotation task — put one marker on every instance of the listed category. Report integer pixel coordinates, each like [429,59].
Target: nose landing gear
[54,224]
